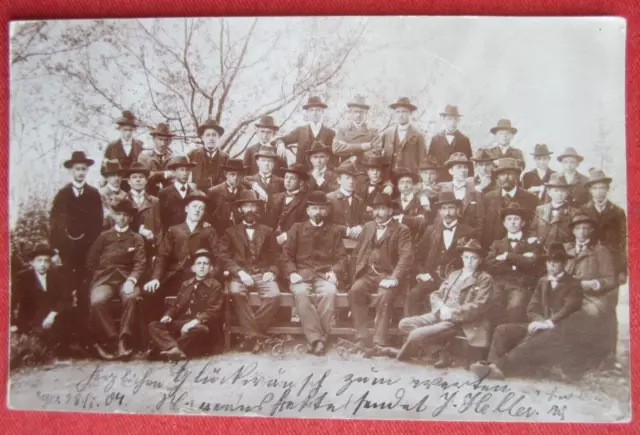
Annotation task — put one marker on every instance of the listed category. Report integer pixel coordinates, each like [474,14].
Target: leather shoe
[103,353]
[319,348]
[246,344]
[123,350]
[389,352]
[173,354]
[443,360]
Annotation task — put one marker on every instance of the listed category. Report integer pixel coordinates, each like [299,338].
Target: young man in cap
[375,183]
[288,207]
[171,198]
[471,202]
[436,253]
[449,141]
[384,257]
[403,145]
[125,150]
[248,251]
[146,221]
[551,221]
[457,308]
[483,164]
[156,160]
[321,177]
[265,129]
[314,260]
[504,133]
[265,183]
[513,263]
[76,222]
[610,221]
[556,297]
[304,135]
[184,329]
[111,193]
[346,207]
[535,179]
[507,173]
[428,186]
[408,208]
[354,138]
[222,211]
[578,193]
[41,301]
[209,159]
[117,260]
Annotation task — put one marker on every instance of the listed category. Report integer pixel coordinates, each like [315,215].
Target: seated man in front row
[183,330]
[457,307]
[314,258]
[248,251]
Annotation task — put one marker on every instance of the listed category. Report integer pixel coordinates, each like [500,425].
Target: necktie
[78,190]
[381,227]
[183,189]
[579,248]
[450,229]
[406,199]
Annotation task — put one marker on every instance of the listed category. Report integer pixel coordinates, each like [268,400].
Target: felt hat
[247,196]
[359,102]
[450,110]
[347,167]
[597,176]
[504,124]
[202,253]
[482,155]
[112,167]
[507,164]
[267,152]
[162,130]
[472,245]
[514,208]
[382,199]
[579,219]
[196,196]
[298,169]
[41,249]
[404,172]
[266,121]
[136,168]
[176,162]
[429,162]
[403,102]
[317,198]
[125,206]
[570,152]
[540,150]
[235,165]
[556,252]
[557,180]
[317,146]
[314,102]
[457,159]
[446,197]
[373,161]
[210,124]
[127,119]
[78,157]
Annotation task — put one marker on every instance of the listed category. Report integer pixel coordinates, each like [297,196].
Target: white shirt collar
[600,207]
[113,189]
[264,176]
[155,150]
[315,224]
[451,225]
[511,192]
[456,185]
[409,197]
[384,224]
[345,193]
[211,153]
[358,125]
[555,277]
[231,189]
[504,148]
[404,127]
[78,186]
[516,236]
[295,192]
[320,171]
[541,173]
[121,230]
[43,280]
[192,225]
[179,186]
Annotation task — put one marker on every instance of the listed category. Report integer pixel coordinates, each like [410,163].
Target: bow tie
[290,195]
[183,189]
[406,199]
[450,228]
[249,226]
[514,239]
[381,227]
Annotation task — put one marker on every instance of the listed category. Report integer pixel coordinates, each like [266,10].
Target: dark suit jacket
[555,303]
[431,255]
[303,136]
[251,167]
[221,212]
[30,304]
[148,216]
[518,268]
[115,151]
[329,185]
[396,251]
[549,229]
[532,179]
[362,191]
[343,214]
[206,305]
[171,205]
[579,193]
[207,172]
[235,253]
[472,210]
[348,140]
[494,202]
[407,154]
[611,231]
[156,165]
[414,215]
[513,153]
[276,184]
[441,150]
[594,262]
[116,256]
[281,216]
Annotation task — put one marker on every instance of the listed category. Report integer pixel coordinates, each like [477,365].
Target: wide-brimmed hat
[450,110]
[127,119]
[446,197]
[78,157]
[268,152]
[482,155]
[247,196]
[125,206]
[472,245]
[581,218]
[541,150]
[570,152]
[317,146]
[41,249]
[266,121]
[196,196]
[557,180]
[136,168]
[503,124]
[347,167]
[317,198]
[429,162]
[314,102]
[514,208]
[597,176]
[111,167]
[507,164]
[202,253]
[556,252]
[162,130]
[176,162]
[235,165]
[358,101]
[404,172]
[210,124]
[374,161]
[382,199]
[457,159]
[404,102]
[298,169]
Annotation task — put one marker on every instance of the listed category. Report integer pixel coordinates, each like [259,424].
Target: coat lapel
[240,238]
[259,236]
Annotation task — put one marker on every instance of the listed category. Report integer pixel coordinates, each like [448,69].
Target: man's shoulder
[336,194]
[525,194]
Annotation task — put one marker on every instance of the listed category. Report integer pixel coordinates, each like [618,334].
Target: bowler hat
[314,102]
[127,119]
[514,208]
[540,150]
[247,196]
[235,165]
[317,198]
[507,164]
[446,197]
[557,180]
[347,167]
[472,245]
[78,157]
[136,168]
[111,167]
[556,252]
[162,130]
[429,162]
[597,176]
[266,121]
[358,101]
[196,196]
[450,110]
[404,172]
[382,199]
[41,249]
[482,155]
[581,218]
[176,162]
[125,206]
[570,152]
[373,161]
[317,146]
[504,124]
[210,124]
[457,159]
[299,170]
[404,102]
[267,152]
[202,253]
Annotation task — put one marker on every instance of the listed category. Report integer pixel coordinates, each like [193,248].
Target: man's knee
[407,324]
[132,297]
[100,295]
[200,329]
[238,289]
[358,293]
[300,289]
[272,291]
[325,288]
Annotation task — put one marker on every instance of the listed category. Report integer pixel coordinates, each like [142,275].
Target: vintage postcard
[412,218]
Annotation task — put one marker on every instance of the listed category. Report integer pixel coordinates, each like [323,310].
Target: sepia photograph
[386,218]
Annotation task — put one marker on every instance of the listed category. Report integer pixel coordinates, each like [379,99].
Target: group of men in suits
[464,237]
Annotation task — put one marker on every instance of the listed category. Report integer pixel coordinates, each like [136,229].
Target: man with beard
[265,129]
[125,150]
[222,212]
[504,133]
[507,173]
[208,159]
[171,198]
[535,179]
[354,138]
[403,145]
[288,207]
[449,141]
[314,259]
[247,251]
[483,179]
[155,160]
[347,208]
[384,257]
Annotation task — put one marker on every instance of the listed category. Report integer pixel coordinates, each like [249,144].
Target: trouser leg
[240,296]
[101,323]
[417,300]
[307,312]
[505,338]
[384,310]
[517,299]
[327,295]
[162,334]
[193,341]
[270,296]
[129,314]
[359,297]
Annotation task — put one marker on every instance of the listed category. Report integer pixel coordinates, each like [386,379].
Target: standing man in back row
[449,141]
[354,138]
[504,133]
[126,149]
